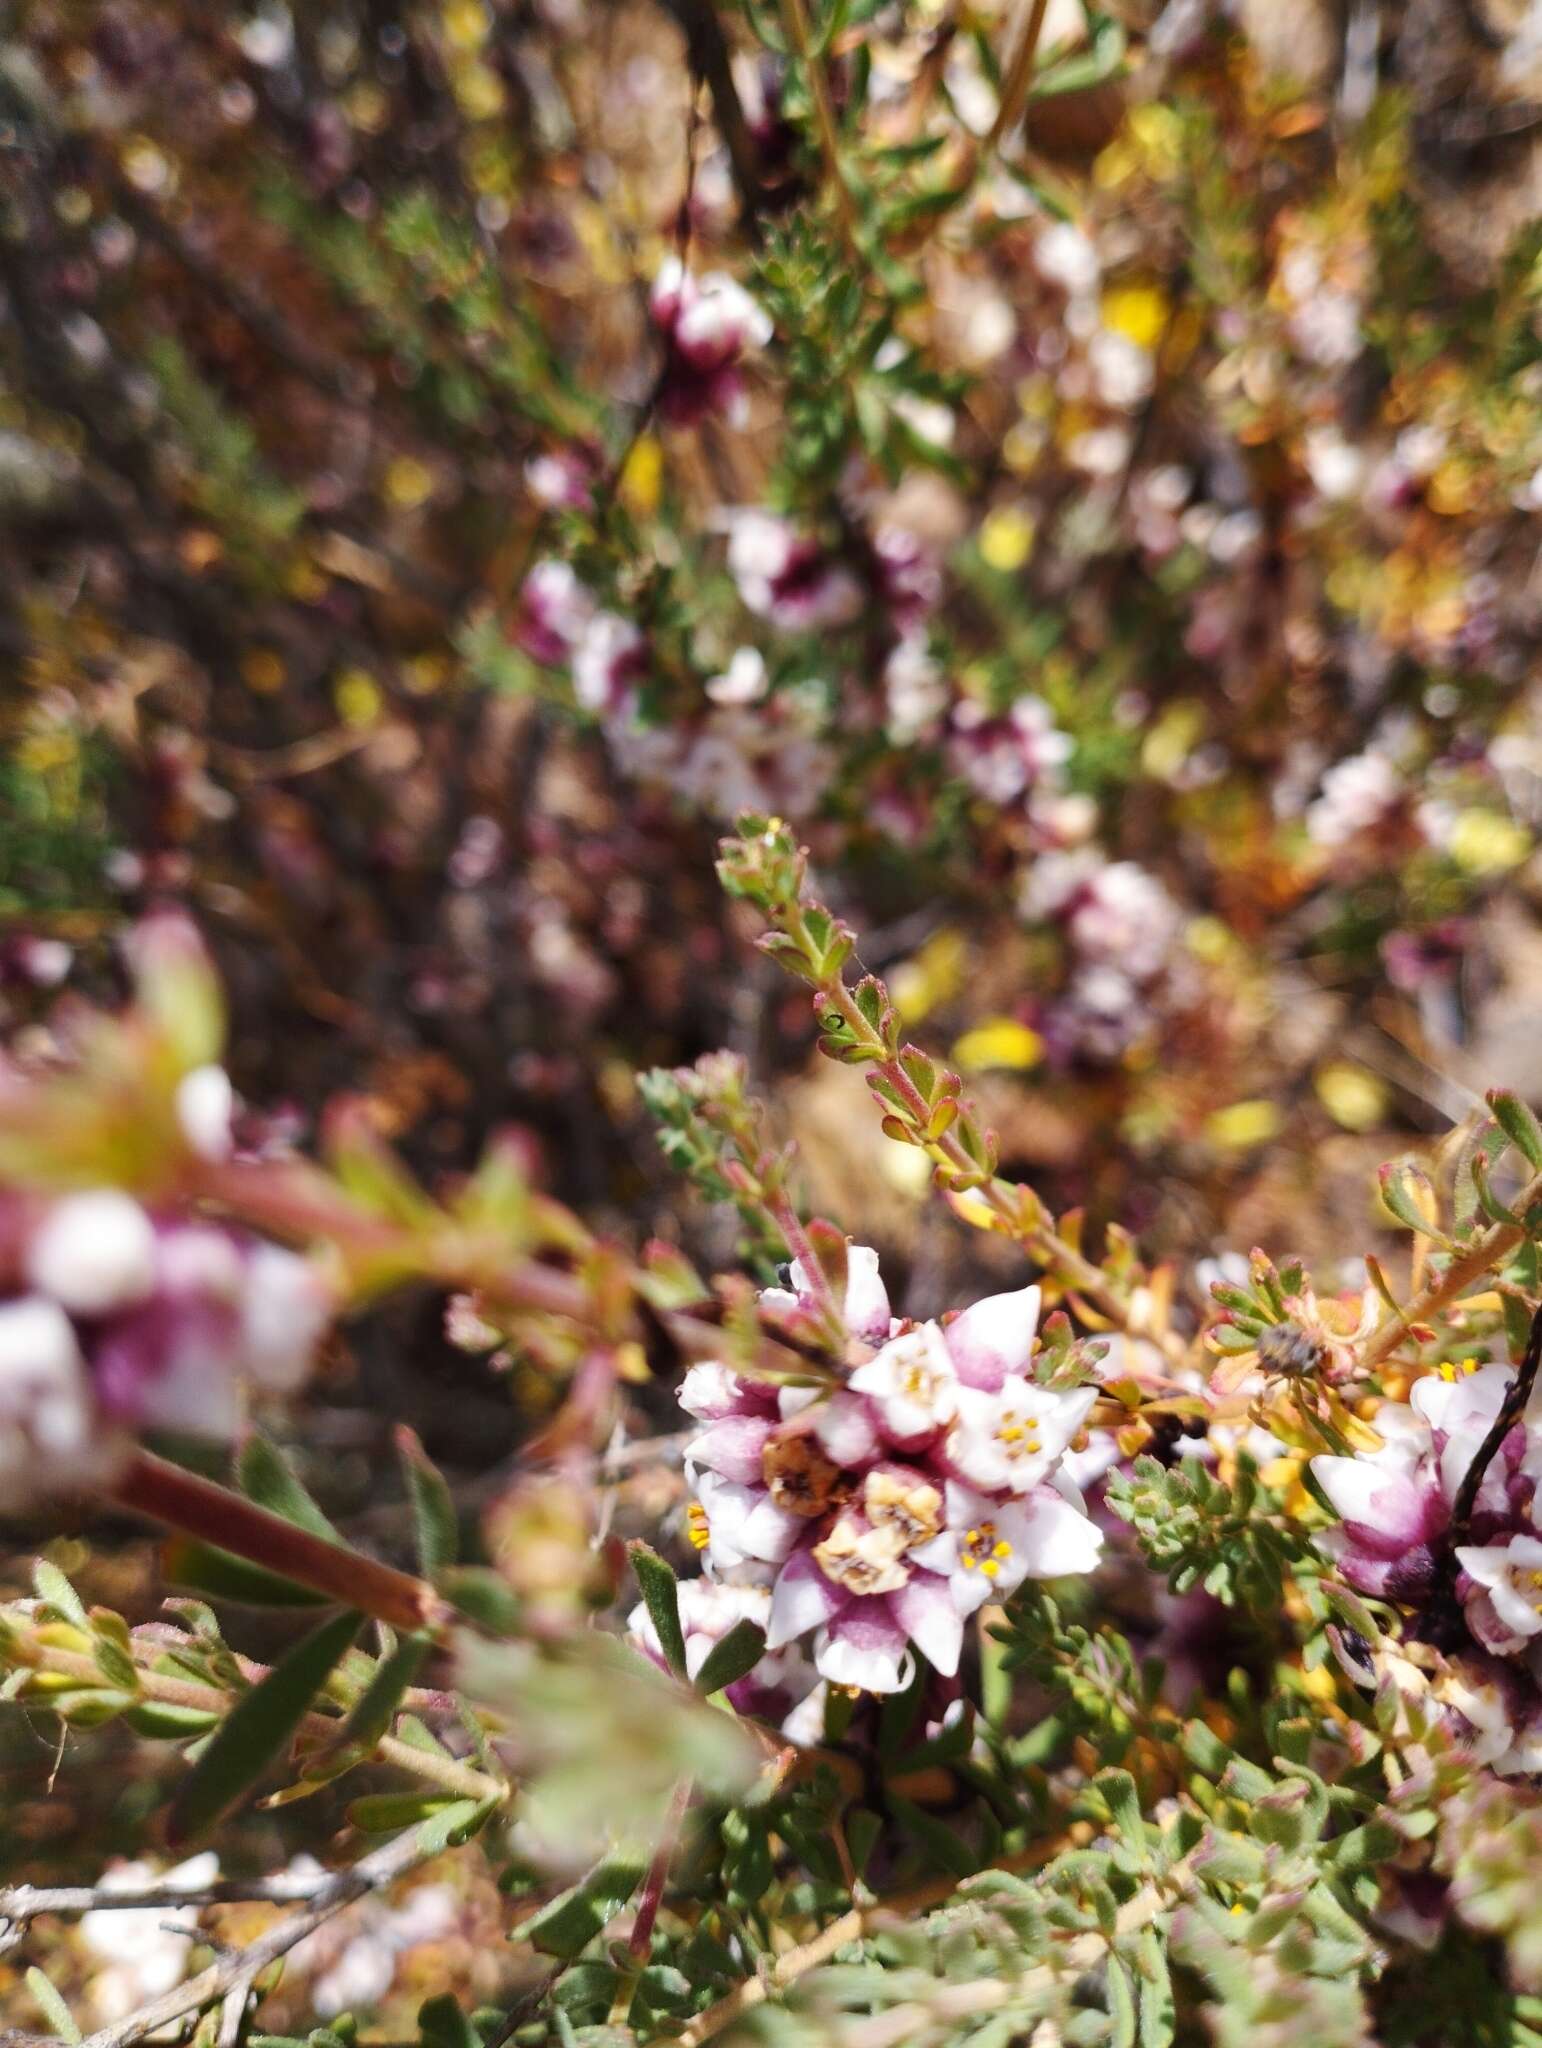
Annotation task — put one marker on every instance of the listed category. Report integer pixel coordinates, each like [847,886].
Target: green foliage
[1232,1541]
[258,1728]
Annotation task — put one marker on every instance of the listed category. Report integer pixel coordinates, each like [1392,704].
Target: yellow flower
[998,1042]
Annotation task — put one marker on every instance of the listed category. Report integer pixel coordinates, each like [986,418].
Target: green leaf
[265,1475]
[572,1920]
[662,1596]
[203,1568]
[1518,1124]
[434,1520]
[258,1728]
[55,1589]
[943,1844]
[483,1597]
[442,2024]
[384,1813]
[1402,1185]
[1121,2005]
[372,1713]
[53,2008]
[163,1722]
[733,1657]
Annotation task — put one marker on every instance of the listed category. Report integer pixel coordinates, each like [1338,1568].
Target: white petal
[871,1667]
[1056,1540]
[803,1599]
[994,1337]
[926,1611]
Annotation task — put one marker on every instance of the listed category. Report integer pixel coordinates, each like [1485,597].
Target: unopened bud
[93,1253]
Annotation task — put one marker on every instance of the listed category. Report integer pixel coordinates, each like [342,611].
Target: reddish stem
[641,1939]
[197,1507]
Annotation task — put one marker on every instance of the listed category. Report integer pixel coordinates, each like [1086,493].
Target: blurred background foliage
[1204,403]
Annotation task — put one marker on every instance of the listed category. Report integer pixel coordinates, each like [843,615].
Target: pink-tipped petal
[929,1615]
[994,1338]
[732,1447]
[803,1599]
[864,1646]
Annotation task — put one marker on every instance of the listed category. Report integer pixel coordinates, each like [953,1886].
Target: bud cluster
[117,1318]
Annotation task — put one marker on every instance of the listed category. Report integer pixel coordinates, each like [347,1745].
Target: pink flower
[864,1638]
[610,659]
[554,611]
[1114,913]
[912,1384]
[1395,1503]
[1003,756]
[786,577]
[990,1546]
[93,1253]
[876,1512]
[49,1438]
[1007,1442]
[711,324]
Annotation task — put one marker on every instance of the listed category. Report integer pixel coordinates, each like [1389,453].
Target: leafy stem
[923,1103]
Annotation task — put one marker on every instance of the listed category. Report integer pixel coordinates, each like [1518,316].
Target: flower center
[696,1526]
[800,1477]
[861,1558]
[983,1551]
[1018,1433]
[1450,1368]
[910,1505]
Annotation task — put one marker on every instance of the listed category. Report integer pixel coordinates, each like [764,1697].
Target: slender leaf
[53,1587]
[265,1475]
[373,1711]
[53,2008]
[434,1520]
[575,1917]
[1519,1125]
[258,1728]
[203,1568]
[662,1597]
[731,1659]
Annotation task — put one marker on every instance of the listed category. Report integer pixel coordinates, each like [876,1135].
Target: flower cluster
[882,1515]
[118,1318]
[1399,1540]
[1121,927]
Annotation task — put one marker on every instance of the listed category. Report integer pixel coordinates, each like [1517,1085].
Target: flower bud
[93,1253]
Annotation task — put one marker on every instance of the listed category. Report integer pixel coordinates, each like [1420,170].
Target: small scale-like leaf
[662,1597]
[484,1597]
[1408,1192]
[1519,1125]
[383,1813]
[258,1728]
[442,2024]
[167,1723]
[943,1844]
[733,1657]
